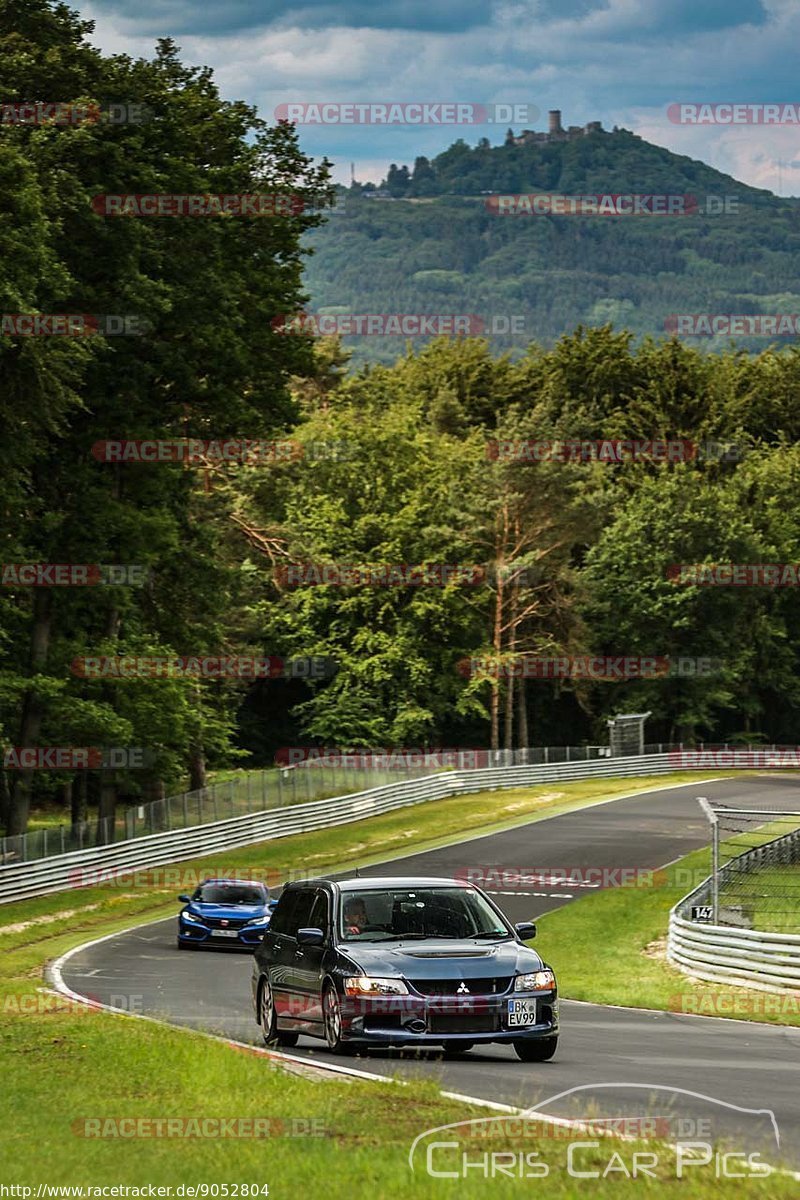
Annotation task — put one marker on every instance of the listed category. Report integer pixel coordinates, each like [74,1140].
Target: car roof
[233,882]
[372,882]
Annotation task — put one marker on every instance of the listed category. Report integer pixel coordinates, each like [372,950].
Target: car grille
[221,923]
[466,1024]
[449,987]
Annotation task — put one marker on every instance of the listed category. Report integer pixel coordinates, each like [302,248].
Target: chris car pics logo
[684,1129]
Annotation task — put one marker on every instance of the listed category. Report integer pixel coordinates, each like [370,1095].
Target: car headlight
[257,922]
[534,981]
[366,985]
[187,916]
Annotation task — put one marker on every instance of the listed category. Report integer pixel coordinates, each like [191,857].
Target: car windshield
[398,914]
[221,893]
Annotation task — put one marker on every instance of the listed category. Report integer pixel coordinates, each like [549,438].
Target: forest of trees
[394,465]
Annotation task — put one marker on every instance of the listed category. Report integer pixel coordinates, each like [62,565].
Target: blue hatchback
[225,912]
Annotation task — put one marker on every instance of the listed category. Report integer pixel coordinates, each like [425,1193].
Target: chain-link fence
[256,791]
[755,879]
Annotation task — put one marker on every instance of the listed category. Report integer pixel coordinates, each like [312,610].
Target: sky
[621,62]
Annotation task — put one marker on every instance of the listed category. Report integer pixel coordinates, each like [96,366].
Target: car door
[278,950]
[307,977]
[293,1001]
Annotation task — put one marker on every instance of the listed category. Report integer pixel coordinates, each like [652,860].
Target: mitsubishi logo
[462,989]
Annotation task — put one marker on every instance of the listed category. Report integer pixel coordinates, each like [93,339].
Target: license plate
[224,933]
[521,1012]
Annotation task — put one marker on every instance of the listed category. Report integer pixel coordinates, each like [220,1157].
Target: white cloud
[606,63]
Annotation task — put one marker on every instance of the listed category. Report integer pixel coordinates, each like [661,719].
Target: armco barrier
[724,953]
[38,878]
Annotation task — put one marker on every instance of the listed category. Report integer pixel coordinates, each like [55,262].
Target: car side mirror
[526,930]
[186,899]
[310,937]
[273,903]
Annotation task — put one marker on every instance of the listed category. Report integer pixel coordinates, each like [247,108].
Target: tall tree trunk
[197,768]
[66,799]
[522,714]
[495,682]
[509,714]
[78,799]
[32,711]
[512,684]
[5,799]
[154,796]
[197,756]
[497,635]
[107,808]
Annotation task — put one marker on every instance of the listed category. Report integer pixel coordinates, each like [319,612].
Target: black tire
[332,1021]
[268,1021]
[184,945]
[536,1051]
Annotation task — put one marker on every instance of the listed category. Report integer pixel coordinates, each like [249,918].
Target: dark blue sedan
[402,962]
[225,912]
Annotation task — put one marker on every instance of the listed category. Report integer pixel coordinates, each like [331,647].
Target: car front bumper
[203,935]
[438,1020]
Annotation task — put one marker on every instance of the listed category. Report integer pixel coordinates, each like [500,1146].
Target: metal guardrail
[255,791]
[80,868]
[748,957]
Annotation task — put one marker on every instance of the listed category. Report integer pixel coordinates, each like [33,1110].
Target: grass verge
[622,932]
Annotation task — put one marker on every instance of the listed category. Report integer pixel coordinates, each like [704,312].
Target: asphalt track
[652,1058]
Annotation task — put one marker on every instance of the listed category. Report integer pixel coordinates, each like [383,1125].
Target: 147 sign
[702,912]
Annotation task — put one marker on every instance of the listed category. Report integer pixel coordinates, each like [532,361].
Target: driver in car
[355,915]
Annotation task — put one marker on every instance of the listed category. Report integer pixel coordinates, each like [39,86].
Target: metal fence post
[712,818]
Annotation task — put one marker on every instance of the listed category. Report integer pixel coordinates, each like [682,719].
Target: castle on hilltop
[555,131]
